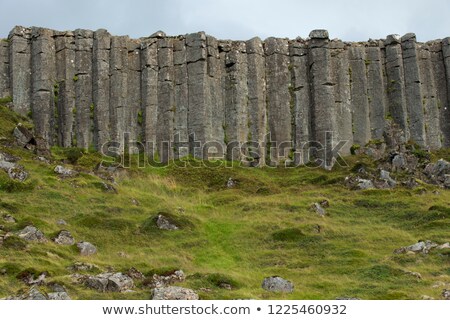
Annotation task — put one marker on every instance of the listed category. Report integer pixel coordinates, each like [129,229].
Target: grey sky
[350,20]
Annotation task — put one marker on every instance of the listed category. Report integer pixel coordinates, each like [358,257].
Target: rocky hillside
[71,228]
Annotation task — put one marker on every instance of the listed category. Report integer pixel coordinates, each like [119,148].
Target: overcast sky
[349,20]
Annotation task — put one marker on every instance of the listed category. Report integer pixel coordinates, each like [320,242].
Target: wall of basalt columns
[85,88]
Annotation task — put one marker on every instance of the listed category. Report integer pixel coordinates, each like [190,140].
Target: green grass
[262,227]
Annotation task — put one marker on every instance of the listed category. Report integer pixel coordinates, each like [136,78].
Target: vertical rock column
[396,83]
[323,112]
[4,68]
[118,69]
[445,110]
[256,83]
[199,128]
[236,99]
[65,71]
[342,93]
[180,98]
[279,113]
[360,102]
[298,51]
[413,89]
[215,100]
[166,103]
[133,109]
[43,79]
[430,100]
[100,86]
[83,88]
[375,91]
[20,68]
[149,90]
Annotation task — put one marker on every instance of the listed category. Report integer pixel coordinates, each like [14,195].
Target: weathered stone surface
[4,69]
[419,247]
[277,284]
[445,104]
[376,93]
[365,184]
[17,173]
[319,209]
[173,293]
[319,34]
[386,176]
[64,237]
[133,109]
[24,137]
[158,281]
[31,233]
[86,248]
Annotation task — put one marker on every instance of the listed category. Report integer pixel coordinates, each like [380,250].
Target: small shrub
[14,243]
[288,235]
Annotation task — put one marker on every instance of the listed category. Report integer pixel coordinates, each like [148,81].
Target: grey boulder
[112,282]
[164,223]
[277,284]
[64,237]
[86,248]
[31,233]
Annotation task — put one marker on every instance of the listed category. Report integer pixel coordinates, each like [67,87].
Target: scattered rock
[30,278]
[438,173]
[385,175]
[158,34]
[277,284]
[425,297]
[414,274]
[365,184]
[6,165]
[31,233]
[164,223]
[82,266]
[65,172]
[398,162]
[446,294]
[231,183]
[108,187]
[166,279]
[444,246]
[135,202]
[86,248]
[65,238]
[113,282]
[135,274]
[4,156]
[419,247]
[35,294]
[58,296]
[173,293]
[9,218]
[24,137]
[17,173]
[324,203]
[318,209]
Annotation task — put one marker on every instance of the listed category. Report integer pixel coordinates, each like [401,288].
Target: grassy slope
[260,228]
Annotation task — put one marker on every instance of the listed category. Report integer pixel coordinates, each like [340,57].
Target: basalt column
[180,98]
[236,100]
[100,86]
[279,115]
[83,88]
[430,101]
[133,109]
[256,83]
[166,104]
[375,90]
[20,69]
[342,94]
[396,83]
[216,70]
[65,72]
[301,99]
[445,111]
[4,69]
[413,89]
[360,102]
[323,116]
[118,94]
[149,93]
[199,128]
[43,82]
